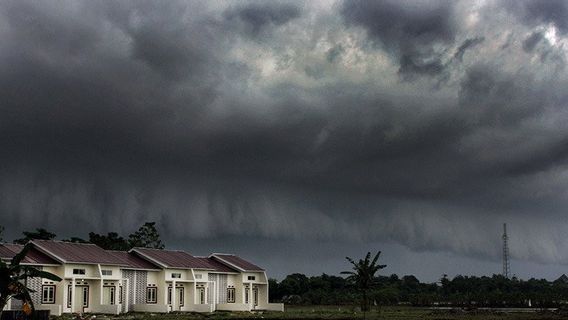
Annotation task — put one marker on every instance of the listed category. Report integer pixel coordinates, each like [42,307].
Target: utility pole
[506,265]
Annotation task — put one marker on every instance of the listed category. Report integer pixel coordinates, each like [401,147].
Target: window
[230,295]
[85,296]
[78,271]
[246,295]
[106,272]
[151,295]
[169,295]
[48,294]
[180,295]
[120,295]
[252,278]
[176,275]
[201,295]
[69,296]
[198,276]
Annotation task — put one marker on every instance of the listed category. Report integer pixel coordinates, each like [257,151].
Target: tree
[13,277]
[75,240]
[39,234]
[112,241]
[147,236]
[363,276]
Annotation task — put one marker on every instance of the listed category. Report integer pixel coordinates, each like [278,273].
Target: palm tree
[363,276]
[13,279]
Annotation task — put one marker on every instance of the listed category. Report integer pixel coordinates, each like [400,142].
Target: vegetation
[363,276]
[461,291]
[13,279]
[342,313]
[39,233]
[146,236]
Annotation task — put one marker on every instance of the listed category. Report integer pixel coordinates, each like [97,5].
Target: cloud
[536,13]
[414,34]
[532,41]
[256,18]
[285,122]
[466,45]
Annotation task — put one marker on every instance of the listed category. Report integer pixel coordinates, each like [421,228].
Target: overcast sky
[292,133]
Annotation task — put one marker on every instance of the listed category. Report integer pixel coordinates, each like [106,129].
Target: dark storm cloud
[534,12]
[334,53]
[532,41]
[115,113]
[257,17]
[466,45]
[411,32]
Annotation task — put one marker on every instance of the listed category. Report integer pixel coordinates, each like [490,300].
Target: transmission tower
[506,265]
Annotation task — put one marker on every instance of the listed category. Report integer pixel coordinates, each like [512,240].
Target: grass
[339,313]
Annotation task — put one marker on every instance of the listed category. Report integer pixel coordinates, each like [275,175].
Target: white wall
[116,272]
[90,270]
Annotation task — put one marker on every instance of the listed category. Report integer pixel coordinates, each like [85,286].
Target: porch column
[173,295]
[166,295]
[126,291]
[72,295]
[251,298]
[101,285]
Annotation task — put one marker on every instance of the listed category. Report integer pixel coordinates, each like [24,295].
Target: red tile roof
[131,260]
[235,261]
[8,251]
[171,258]
[5,253]
[216,265]
[70,252]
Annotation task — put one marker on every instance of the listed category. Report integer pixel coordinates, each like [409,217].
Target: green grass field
[341,312]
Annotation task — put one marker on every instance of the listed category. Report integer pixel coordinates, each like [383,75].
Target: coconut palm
[13,279]
[363,276]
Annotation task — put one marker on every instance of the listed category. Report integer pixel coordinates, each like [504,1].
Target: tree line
[461,291]
[146,236]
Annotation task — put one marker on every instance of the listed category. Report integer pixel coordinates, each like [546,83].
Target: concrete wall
[273,307]
[54,309]
[159,308]
[201,308]
[107,309]
[233,307]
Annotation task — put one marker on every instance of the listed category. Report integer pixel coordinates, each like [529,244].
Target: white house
[143,280]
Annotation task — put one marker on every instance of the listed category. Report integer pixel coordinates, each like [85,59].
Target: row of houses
[141,280]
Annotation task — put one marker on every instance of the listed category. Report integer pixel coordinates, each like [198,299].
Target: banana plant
[13,280]
[363,276]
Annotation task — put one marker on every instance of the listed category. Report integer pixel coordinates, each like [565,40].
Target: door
[180,297]
[81,299]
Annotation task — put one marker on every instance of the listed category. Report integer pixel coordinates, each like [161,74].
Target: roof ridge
[156,249]
[66,242]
